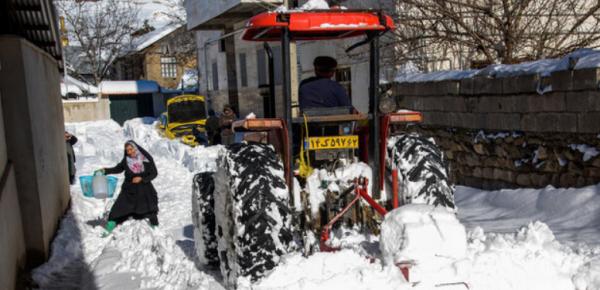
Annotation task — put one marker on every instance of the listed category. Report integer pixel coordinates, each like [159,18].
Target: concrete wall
[32,108]
[84,110]
[500,132]
[12,239]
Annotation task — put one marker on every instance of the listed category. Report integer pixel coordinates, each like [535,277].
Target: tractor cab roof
[316,24]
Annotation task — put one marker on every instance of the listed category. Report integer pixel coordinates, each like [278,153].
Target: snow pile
[588,275]
[134,256]
[419,232]
[528,259]
[321,181]
[428,239]
[341,270]
[514,252]
[572,214]
[139,249]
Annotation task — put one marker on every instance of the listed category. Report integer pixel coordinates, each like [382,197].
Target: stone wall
[502,132]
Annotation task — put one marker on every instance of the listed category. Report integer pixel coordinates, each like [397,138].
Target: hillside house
[156,56]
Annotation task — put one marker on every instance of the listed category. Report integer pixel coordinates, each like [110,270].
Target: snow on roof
[453,75]
[579,59]
[164,15]
[77,87]
[128,87]
[142,42]
[190,90]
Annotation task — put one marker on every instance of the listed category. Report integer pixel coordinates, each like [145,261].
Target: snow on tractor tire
[249,204]
[203,217]
[422,172]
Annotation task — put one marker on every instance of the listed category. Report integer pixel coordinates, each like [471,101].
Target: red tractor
[256,190]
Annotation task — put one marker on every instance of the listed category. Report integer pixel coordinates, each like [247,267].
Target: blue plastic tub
[86,185]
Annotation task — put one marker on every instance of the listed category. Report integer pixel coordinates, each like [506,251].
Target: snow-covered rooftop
[579,59]
[146,40]
[77,87]
[128,87]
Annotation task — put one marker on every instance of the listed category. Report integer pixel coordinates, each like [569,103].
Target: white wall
[35,139]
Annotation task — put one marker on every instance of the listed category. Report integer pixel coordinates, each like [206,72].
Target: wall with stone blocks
[502,132]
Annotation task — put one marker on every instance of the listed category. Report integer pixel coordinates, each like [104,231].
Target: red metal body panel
[316,25]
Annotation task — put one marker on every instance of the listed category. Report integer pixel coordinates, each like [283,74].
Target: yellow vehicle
[184,113]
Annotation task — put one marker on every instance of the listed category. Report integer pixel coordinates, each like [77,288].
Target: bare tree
[493,31]
[103,29]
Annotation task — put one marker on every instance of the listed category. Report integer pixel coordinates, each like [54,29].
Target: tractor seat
[329,115]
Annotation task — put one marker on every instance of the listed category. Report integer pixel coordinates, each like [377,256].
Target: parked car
[184,114]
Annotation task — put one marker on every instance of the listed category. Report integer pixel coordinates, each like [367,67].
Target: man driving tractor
[321,91]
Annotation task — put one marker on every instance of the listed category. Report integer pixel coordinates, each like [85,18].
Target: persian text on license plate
[333,142]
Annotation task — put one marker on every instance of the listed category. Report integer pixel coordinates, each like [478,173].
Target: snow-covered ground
[516,239]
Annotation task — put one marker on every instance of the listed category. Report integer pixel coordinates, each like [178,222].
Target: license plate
[333,142]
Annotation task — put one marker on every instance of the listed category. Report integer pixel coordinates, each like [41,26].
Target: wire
[305,170]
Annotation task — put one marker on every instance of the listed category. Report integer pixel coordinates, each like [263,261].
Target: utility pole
[64,40]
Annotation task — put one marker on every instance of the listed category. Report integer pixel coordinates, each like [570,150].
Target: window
[344,77]
[222,45]
[263,66]
[165,49]
[168,67]
[243,70]
[215,76]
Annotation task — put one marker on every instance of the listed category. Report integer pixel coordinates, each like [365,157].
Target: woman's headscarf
[135,164]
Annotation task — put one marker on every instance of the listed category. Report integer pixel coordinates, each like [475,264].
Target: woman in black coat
[138,198]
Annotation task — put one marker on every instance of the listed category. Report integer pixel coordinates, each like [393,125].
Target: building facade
[156,57]
[236,72]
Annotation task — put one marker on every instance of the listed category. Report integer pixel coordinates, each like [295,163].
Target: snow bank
[571,213]
[341,270]
[135,256]
[419,232]
[528,259]
[506,248]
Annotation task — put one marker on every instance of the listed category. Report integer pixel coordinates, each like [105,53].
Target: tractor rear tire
[422,172]
[203,217]
[254,222]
